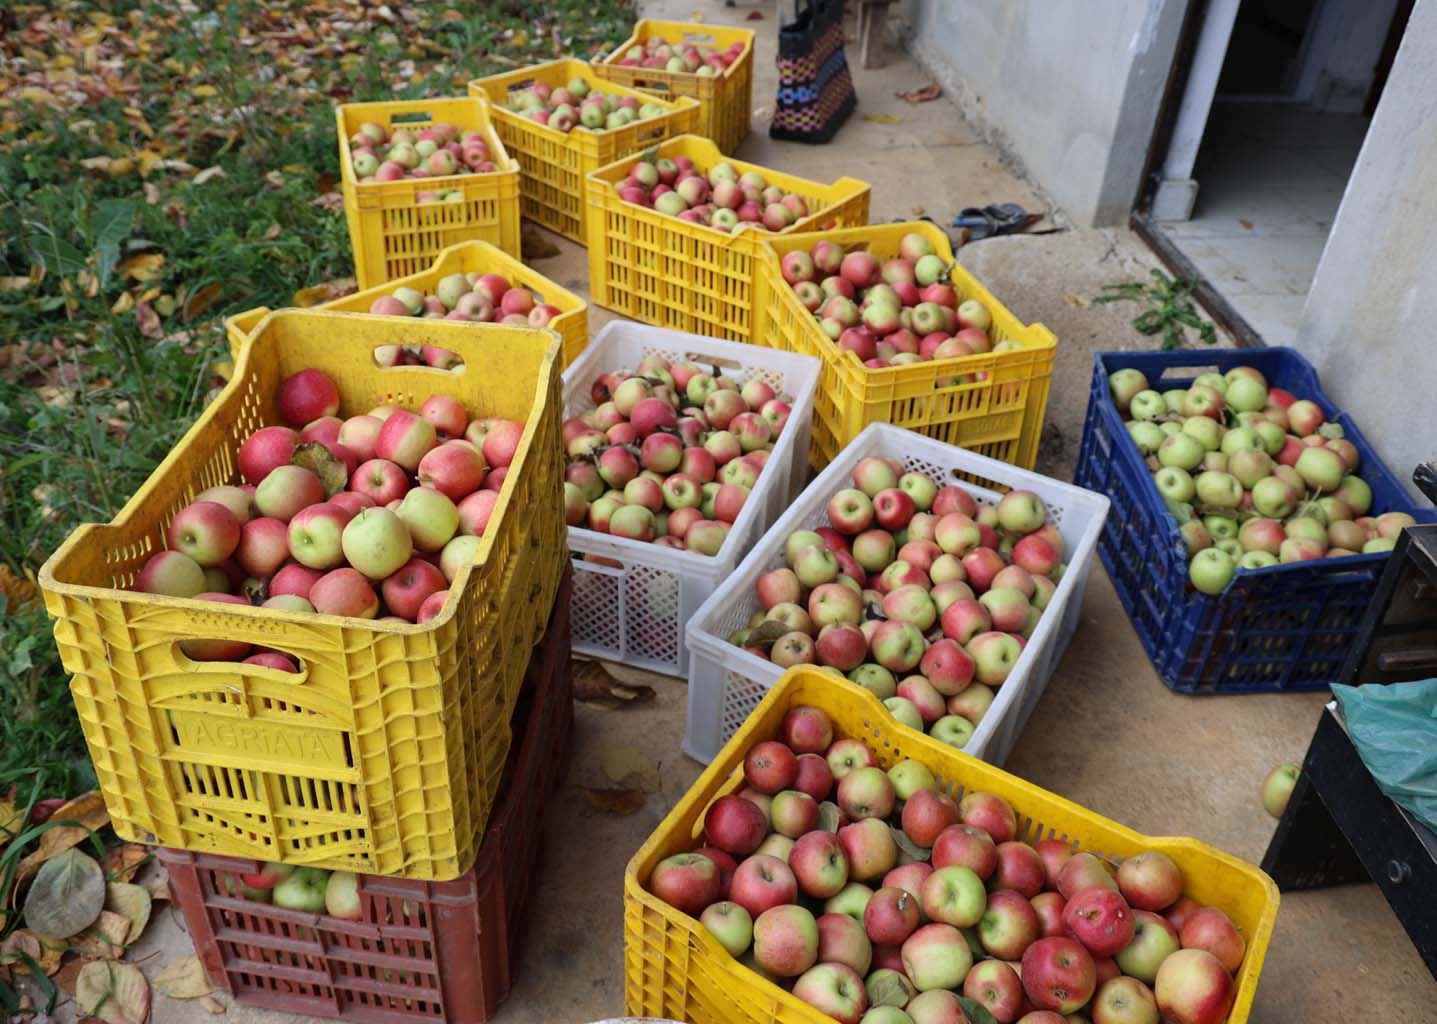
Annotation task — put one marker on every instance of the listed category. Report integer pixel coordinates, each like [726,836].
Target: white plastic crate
[727,682]
[635,614]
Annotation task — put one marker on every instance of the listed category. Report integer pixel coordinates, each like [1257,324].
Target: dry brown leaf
[123,304]
[132,902]
[754,16]
[208,174]
[621,802]
[212,1004]
[22,940]
[535,245]
[117,993]
[592,682]
[629,766]
[123,861]
[149,321]
[142,266]
[103,940]
[183,979]
[88,809]
[202,299]
[158,888]
[931,91]
[66,975]
[318,293]
[1076,300]
[14,283]
[883,118]
[272,232]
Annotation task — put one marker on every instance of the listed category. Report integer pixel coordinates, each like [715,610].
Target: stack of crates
[414,756]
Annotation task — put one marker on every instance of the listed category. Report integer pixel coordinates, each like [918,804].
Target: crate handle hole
[1188,371]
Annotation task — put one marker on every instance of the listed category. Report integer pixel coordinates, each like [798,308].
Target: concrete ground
[1107,734]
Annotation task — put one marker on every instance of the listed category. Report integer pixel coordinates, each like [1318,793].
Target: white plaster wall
[1070,88]
[1370,323]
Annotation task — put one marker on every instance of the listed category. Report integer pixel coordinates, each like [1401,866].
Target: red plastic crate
[422,951]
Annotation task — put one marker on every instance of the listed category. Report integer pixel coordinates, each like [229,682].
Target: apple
[1150,880]
[344,591]
[869,847]
[1124,1001]
[891,915]
[1084,871]
[851,900]
[1212,930]
[807,730]
[994,654]
[341,896]
[762,881]
[819,865]
[1154,940]
[936,1006]
[1009,925]
[303,890]
[926,813]
[793,813]
[306,396]
[1192,987]
[1058,974]
[785,940]
[1211,570]
[1124,384]
[866,793]
[846,755]
[735,825]
[207,531]
[176,574]
[686,881]
[954,895]
[842,940]
[264,450]
[834,989]
[730,924]
[1019,868]
[1277,788]
[936,956]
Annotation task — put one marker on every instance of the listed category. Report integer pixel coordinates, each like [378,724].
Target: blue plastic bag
[1394,728]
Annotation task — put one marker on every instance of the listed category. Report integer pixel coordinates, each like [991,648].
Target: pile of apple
[576,105]
[874,898]
[371,516]
[311,890]
[472,296]
[722,199]
[681,58]
[914,592]
[669,453]
[895,312]
[1254,475]
[439,151]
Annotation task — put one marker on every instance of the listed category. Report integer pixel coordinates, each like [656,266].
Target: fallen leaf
[766,634]
[830,816]
[123,861]
[117,993]
[592,682]
[158,888]
[1245,223]
[142,266]
[883,118]
[1076,300]
[272,232]
[621,802]
[88,810]
[165,305]
[204,92]
[149,321]
[223,369]
[132,902]
[184,979]
[316,294]
[754,16]
[103,940]
[931,91]
[535,245]
[629,766]
[212,1004]
[123,304]
[23,941]
[67,895]
[202,300]
[331,201]
[14,283]
[66,975]
[208,174]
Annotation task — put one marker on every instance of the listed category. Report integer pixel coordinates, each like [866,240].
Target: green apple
[953,730]
[376,542]
[1277,788]
[303,890]
[1211,569]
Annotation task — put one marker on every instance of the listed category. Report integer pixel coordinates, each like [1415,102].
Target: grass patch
[163,166]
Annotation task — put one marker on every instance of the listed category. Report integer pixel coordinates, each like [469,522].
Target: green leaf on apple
[909,847]
[975,1011]
[767,633]
[830,817]
[320,461]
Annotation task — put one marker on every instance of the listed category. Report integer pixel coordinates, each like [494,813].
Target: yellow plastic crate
[691,277]
[385,752]
[674,968]
[999,415]
[553,163]
[391,232]
[725,100]
[572,323]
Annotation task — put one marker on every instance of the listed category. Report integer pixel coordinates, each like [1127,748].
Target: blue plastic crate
[1287,627]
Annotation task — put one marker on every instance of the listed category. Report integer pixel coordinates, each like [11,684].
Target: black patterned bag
[815,89]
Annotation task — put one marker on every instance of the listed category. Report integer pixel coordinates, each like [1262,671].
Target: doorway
[1278,98]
